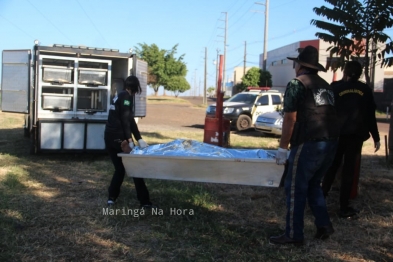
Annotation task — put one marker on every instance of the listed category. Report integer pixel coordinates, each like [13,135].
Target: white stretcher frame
[252,172]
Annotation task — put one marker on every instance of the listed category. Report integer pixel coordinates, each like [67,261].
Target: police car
[244,108]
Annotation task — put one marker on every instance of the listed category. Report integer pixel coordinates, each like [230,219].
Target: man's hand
[142,143]
[125,146]
[281,156]
[377,146]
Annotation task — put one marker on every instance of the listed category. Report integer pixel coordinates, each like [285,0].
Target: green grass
[165,99]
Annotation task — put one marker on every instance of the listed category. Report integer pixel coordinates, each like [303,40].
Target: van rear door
[15,81]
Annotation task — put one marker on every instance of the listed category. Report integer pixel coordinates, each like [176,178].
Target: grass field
[52,208]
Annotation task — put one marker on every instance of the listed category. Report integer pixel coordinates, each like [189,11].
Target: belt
[323,139]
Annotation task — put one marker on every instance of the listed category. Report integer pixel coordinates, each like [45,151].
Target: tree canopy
[355,28]
[163,66]
[177,84]
[255,77]
[211,91]
[251,78]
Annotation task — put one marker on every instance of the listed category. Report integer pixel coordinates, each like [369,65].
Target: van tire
[243,123]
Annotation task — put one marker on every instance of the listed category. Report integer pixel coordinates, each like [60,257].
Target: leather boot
[324,232]
[283,239]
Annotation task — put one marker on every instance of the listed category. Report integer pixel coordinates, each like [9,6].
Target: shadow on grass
[252,133]
[196,126]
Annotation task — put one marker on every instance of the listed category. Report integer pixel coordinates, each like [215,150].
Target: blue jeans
[307,163]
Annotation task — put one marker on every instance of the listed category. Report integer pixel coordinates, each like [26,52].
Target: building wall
[279,66]
[238,74]
[283,71]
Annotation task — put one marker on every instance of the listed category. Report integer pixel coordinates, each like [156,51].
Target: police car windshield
[243,98]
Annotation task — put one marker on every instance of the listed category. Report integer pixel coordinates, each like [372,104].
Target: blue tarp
[186,147]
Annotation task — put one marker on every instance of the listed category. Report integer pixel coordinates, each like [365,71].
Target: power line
[290,33]
[235,2]
[284,4]
[245,1]
[247,12]
[245,23]
[47,19]
[32,37]
[93,23]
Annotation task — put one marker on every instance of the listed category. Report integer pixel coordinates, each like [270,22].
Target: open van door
[140,71]
[15,81]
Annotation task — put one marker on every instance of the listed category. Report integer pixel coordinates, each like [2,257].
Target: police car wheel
[243,123]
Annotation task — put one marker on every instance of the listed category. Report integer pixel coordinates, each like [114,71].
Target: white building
[282,69]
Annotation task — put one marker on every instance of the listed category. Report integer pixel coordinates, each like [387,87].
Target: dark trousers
[349,148]
[113,147]
[306,166]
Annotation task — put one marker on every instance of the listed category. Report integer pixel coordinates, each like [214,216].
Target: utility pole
[265,33]
[204,84]
[195,83]
[225,47]
[217,67]
[245,56]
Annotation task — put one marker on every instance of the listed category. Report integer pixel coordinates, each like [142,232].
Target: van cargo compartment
[57,75]
[95,77]
[56,101]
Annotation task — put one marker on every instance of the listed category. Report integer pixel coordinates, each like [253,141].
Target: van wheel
[243,123]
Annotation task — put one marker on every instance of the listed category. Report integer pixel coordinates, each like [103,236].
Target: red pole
[219,103]
[334,76]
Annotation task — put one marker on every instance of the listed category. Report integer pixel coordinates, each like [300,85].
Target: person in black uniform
[120,125]
[356,113]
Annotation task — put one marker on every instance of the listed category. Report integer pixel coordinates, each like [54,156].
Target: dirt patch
[174,116]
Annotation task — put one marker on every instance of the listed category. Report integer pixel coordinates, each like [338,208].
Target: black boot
[324,232]
[283,239]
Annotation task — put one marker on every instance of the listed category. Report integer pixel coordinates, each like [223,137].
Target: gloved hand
[281,156]
[377,145]
[142,143]
[131,144]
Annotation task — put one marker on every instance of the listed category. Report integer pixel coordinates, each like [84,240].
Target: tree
[177,84]
[265,79]
[255,77]
[163,64]
[211,91]
[239,87]
[387,61]
[155,58]
[173,67]
[252,77]
[357,28]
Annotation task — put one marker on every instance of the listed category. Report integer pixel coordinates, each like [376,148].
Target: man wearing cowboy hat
[310,127]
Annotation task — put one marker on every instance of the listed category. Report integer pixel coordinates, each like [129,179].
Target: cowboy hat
[308,57]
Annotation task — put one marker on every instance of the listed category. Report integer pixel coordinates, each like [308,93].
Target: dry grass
[51,209]
[165,99]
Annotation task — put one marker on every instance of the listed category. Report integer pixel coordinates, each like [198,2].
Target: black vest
[316,117]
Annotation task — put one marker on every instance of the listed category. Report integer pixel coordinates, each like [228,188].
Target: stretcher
[240,171]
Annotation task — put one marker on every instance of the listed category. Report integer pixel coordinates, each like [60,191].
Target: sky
[196,26]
